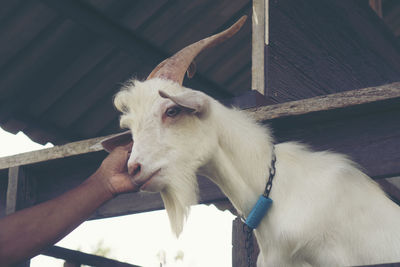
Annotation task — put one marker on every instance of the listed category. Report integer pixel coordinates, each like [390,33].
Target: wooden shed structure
[324,72]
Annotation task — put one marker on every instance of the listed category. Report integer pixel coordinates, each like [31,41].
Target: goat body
[326,212]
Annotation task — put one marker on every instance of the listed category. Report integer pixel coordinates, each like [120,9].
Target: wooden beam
[57,152]
[259,40]
[328,102]
[83,258]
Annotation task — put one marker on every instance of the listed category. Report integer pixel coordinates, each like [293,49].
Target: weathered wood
[19,196]
[239,252]
[309,51]
[19,191]
[258,43]
[3,191]
[328,102]
[12,190]
[83,258]
[68,150]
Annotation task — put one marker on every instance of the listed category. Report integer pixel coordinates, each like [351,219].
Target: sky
[143,239]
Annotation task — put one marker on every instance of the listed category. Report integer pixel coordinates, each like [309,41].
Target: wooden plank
[83,258]
[261,114]
[57,152]
[327,102]
[258,44]
[20,190]
[3,192]
[19,196]
[239,251]
[309,51]
[12,190]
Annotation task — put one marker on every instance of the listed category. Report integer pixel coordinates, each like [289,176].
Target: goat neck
[240,165]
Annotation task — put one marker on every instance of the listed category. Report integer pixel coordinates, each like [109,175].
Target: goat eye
[173,111]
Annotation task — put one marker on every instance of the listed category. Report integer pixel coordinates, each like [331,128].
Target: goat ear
[120,139]
[195,101]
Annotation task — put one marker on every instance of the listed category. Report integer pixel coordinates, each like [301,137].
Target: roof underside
[61,61]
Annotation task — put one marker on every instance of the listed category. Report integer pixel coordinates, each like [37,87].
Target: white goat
[326,212]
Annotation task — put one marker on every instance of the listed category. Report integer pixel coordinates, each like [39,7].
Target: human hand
[113,171]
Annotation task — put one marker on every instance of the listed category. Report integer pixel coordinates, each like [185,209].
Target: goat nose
[134,168]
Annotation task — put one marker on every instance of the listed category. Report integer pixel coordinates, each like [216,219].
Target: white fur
[326,212]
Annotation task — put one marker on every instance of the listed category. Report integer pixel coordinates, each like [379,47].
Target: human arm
[25,233]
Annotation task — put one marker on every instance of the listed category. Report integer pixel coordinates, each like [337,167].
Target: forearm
[26,232]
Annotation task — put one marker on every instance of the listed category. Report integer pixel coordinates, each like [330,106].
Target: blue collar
[263,204]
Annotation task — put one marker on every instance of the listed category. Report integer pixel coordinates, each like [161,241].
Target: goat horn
[174,68]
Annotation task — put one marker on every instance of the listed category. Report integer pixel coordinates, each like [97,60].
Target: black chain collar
[249,245]
[272,172]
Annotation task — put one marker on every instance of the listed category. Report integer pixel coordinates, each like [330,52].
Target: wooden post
[19,196]
[260,39]
[239,253]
